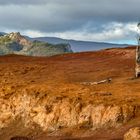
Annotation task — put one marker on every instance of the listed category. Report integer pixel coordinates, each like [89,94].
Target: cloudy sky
[92,20]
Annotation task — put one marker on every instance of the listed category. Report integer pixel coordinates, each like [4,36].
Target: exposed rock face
[52,113]
[133,134]
[18,38]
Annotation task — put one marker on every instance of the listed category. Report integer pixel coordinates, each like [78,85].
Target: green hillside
[14,43]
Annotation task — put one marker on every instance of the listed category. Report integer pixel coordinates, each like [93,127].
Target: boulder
[132,134]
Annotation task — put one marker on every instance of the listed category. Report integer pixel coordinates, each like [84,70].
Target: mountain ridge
[81,46]
[75,45]
[15,43]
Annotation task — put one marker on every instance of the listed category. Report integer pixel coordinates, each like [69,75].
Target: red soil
[65,73]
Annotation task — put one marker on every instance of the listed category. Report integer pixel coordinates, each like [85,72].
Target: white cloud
[111,32]
[31,33]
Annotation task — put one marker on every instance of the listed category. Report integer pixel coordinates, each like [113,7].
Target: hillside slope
[14,43]
[76,46]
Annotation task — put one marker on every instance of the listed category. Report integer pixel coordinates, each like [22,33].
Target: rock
[109,116]
[19,38]
[52,114]
[133,134]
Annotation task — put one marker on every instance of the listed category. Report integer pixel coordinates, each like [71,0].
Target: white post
[137,69]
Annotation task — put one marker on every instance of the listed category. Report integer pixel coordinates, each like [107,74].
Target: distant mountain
[80,46]
[75,45]
[15,43]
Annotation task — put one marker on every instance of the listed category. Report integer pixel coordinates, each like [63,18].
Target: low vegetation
[14,43]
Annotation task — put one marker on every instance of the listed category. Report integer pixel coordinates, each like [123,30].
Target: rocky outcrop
[15,43]
[133,134]
[52,113]
[17,37]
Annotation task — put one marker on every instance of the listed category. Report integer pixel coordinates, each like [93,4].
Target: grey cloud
[20,2]
[52,16]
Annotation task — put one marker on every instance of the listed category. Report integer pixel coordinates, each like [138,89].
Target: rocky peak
[132,134]
[14,36]
[17,37]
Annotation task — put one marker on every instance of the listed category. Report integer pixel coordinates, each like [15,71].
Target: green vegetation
[46,49]
[39,43]
[35,48]
[5,40]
